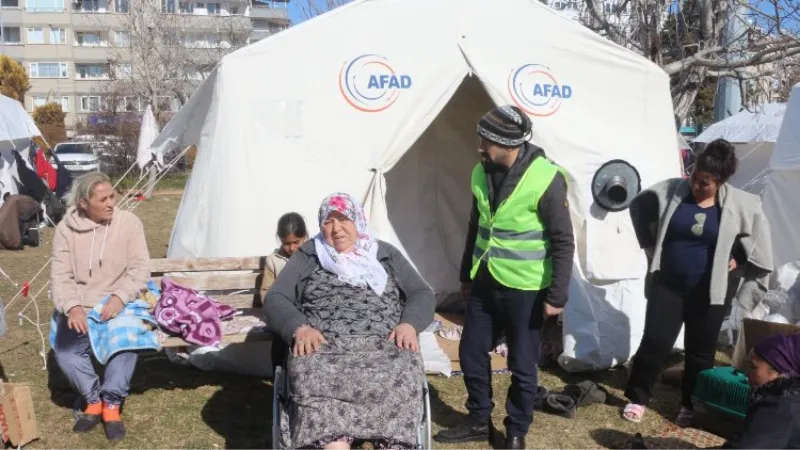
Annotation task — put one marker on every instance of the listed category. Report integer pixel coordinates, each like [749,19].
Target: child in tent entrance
[292,234]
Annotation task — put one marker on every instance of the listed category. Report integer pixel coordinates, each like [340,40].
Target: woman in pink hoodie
[98,251]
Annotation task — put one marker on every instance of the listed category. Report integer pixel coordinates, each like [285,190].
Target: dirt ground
[178,407]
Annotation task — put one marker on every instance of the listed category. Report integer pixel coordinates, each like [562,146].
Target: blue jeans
[74,356]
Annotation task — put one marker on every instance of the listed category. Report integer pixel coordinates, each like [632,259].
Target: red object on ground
[26,287]
[140,197]
[45,170]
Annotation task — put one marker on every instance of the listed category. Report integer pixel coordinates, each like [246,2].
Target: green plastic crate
[724,389]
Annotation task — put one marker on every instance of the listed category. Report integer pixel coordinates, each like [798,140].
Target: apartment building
[71,47]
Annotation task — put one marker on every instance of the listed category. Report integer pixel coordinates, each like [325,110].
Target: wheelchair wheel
[424,434]
[277,407]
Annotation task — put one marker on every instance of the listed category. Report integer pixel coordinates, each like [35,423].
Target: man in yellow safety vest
[515,272]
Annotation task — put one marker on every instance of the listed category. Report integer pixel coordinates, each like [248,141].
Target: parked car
[77,157]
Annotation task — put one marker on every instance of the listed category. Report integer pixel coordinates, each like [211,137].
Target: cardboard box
[450,347]
[751,333]
[17,420]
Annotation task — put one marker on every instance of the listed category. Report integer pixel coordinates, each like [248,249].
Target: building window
[58,36]
[41,101]
[35,36]
[48,70]
[9,3]
[123,71]
[89,39]
[122,6]
[44,5]
[10,35]
[91,72]
[168,6]
[122,39]
[213,8]
[93,103]
[89,6]
[131,104]
[187,8]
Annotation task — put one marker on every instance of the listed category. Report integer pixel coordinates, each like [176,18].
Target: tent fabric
[16,123]
[782,185]
[762,125]
[389,116]
[148,134]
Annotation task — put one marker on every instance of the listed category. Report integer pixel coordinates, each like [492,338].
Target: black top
[687,255]
[554,214]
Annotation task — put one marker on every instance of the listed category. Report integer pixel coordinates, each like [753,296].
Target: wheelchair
[281,401]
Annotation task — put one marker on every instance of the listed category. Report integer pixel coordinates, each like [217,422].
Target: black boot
[515,442]
[115,430]
[86,422]
[465,432]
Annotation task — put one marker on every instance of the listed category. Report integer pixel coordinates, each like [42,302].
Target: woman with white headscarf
[351,308]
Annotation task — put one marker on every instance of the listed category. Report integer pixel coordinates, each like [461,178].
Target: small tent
[17,130]
[753,134]
[380,98]
[783,184]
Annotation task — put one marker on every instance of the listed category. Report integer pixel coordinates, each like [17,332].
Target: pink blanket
[192,316]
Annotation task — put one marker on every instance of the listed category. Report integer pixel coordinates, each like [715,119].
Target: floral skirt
[356,388]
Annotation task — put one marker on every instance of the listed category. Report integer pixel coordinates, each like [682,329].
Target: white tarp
[760,125]
[389,115]
[148,134]
[783,185]
[16,130]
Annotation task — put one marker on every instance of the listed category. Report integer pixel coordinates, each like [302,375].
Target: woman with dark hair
[700,236]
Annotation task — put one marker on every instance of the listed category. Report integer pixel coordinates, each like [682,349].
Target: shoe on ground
[115,429]
[465,432]
[86,422]
[515,442]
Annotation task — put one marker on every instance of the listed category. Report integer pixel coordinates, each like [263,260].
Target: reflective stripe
[531,235]
[478,252]
[520,255]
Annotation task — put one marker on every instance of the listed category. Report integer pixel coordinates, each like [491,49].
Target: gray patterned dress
[358,386]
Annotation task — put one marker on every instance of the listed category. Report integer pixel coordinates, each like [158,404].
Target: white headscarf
[359,267]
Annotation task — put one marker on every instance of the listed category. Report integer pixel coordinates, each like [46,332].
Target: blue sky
[296,12]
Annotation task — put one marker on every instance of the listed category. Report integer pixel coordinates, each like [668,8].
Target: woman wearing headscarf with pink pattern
[351,306]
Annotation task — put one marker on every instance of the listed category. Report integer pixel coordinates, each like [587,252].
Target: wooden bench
[232,281]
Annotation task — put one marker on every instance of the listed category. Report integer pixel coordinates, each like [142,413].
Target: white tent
[782,186]
[760,125]
[388,112]
[753,134]
[16,131]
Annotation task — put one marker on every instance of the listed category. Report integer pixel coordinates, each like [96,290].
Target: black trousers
[491,310]
[667,309]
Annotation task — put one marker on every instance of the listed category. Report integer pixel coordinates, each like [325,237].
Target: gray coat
[282,300]
[743,229]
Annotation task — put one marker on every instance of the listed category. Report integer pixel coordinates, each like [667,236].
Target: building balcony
[95,21]
[258,35]
[14,51]
[89,53]
[12,15]
[260,12]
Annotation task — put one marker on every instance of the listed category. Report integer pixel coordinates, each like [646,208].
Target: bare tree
[686,38]
[313,8]
[161,54]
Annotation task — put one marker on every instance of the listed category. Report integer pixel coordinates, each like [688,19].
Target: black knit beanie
[505,125]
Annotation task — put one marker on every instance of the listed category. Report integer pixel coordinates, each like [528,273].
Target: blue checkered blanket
[131,330]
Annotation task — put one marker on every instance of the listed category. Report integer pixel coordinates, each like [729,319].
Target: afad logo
[534,88]
[370,84]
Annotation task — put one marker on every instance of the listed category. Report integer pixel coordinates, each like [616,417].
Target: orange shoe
[112,422]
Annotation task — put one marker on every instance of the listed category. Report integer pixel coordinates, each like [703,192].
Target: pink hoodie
[91,261]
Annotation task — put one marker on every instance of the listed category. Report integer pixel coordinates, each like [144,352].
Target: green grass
[178,407]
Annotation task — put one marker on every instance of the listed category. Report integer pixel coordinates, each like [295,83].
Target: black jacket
[773,417]
[280,302]
[554,213]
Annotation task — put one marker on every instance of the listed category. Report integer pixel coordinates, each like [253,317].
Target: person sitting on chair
[352,307]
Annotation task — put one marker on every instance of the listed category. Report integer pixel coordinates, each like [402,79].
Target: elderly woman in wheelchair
[351,307]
